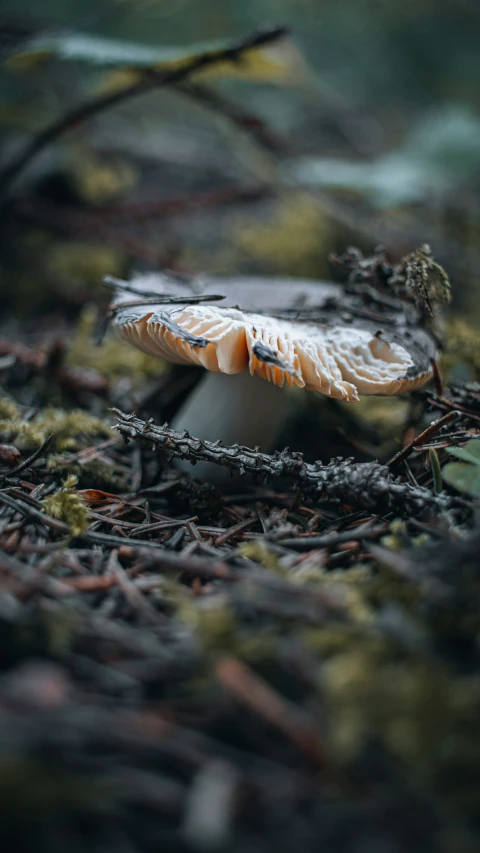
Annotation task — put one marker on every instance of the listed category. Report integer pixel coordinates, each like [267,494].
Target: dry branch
[155,79]
[368,485]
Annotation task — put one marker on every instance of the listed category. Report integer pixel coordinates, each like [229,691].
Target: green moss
[257,648]
[59,626]
[91,475]
[388,415]
[34,787]
[69,507]
[293,242]
[462,348]
[260,553]
[113,358]
[25,435]
[331,640]
[397,537]
[99,179]
[213,621]
[73,261]
[8,409]
[66,428]
[404,706]
[307,573]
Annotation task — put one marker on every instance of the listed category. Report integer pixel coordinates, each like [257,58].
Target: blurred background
[360,128]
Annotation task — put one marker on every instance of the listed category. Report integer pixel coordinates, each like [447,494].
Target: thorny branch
[368,485]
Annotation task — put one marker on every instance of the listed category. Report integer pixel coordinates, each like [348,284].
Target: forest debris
[424,436]
[417,275]
[425,279]
[360,484]
[9,454]
[258,696]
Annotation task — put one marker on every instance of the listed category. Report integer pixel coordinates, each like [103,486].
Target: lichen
[426,280]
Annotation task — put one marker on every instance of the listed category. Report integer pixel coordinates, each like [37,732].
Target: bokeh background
[360,129]
[374,106]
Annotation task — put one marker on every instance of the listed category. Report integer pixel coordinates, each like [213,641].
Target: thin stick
[154,79]
[424,436]
[333,540]
[182,204]
[263,700]
[246,121]
[33,458]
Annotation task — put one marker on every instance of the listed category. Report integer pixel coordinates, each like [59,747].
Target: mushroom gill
[341,361]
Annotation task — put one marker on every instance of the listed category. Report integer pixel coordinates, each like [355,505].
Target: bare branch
[361,484]
[152,80]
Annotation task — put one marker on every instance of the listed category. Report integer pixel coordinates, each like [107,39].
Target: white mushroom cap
[341,361]
[296,332]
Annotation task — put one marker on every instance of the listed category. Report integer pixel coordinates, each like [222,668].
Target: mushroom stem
[239,409]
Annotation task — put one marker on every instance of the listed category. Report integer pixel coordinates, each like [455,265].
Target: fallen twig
[33,458]
[424,436]
[360,484]
[247,687]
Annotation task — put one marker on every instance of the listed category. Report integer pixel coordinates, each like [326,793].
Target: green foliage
[436,470]
[464,475]
[66,505]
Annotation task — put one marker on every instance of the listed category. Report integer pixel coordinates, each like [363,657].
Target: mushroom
[290,332]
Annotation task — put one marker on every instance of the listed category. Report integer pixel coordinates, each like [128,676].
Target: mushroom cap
[298,332]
